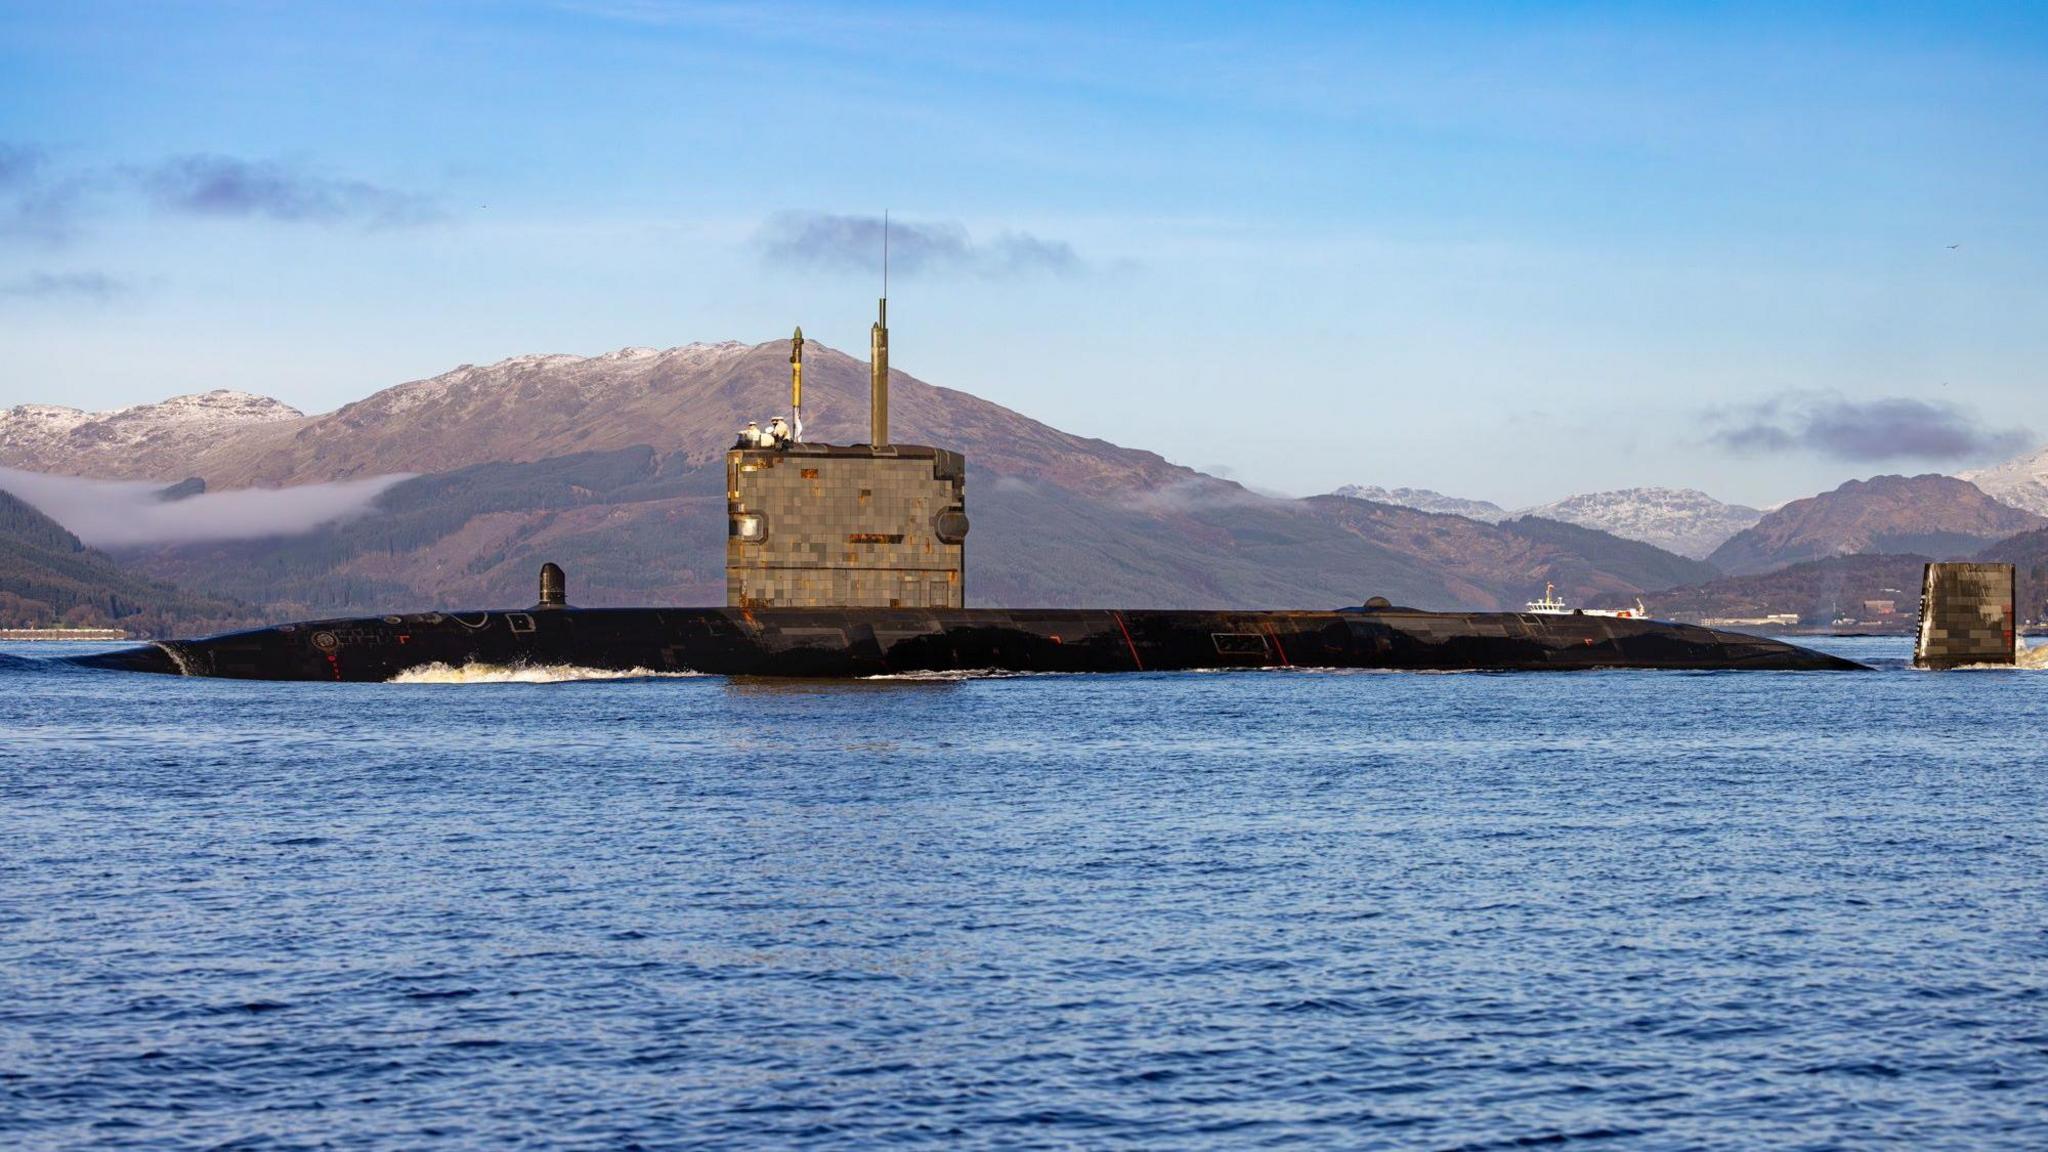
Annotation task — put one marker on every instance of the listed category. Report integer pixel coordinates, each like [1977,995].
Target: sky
[1505,251]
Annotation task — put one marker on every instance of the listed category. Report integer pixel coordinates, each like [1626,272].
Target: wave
[953,675]
[439,673]
[2029,658]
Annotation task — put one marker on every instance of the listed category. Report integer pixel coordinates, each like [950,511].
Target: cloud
[35,205]
[19,165]
[1871,431]
[124,513]
[1206,493]
[854,244]
[93,286]
[42,203]
[209,185]
[46,213]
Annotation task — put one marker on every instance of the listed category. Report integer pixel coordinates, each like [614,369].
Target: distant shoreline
[62,634]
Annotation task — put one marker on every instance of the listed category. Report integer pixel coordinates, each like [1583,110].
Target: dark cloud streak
[41,203]
[1893,428]
[19,165]
[33,205]
[854,244]
[94,286]
[208,185]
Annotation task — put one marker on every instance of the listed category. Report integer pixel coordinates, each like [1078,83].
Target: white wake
[2031,658]
[438,673]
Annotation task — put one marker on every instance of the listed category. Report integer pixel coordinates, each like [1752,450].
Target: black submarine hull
[859,642]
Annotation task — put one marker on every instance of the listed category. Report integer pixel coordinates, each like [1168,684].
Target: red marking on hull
[1278,647]
[1135,662]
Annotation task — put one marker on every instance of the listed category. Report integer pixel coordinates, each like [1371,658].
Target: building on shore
[1772,620]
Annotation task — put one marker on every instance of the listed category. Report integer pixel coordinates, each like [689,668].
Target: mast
[796,384]
[878,356]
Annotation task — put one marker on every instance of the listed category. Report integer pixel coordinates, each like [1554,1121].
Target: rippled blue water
[1637,910]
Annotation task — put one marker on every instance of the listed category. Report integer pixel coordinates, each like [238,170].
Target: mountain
[1822,590]
[1644,565]
[1938,516]
[1682,520]
[635,527]
[1818,591]
[1425,500]
[689,400]
[613,466]
[47,578]
[1502,566]
[136,441]
[2027,552]
[2021,482]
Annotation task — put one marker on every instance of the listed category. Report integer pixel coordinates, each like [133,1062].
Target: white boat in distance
[1550,605]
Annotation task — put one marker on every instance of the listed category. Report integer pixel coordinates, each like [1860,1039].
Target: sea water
[1244,910]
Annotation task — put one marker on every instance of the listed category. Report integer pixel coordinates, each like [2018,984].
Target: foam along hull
[853,642]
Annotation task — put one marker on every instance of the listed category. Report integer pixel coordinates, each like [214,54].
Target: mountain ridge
[1423,500]
[612,465]
[1686,521]
[635,527]
[690,399]
[1930,514]
[72,441]
[1682,520]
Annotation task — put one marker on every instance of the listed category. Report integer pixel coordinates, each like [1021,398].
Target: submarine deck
[852,642]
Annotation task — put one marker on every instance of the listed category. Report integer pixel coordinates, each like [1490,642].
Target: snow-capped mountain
[690,400]
[571,380]
[1682,520]
[613,466]
[54,438]
[2021,481]
[1424,500]
[1930,515]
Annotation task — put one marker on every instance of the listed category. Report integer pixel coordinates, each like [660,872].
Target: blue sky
[1506,251]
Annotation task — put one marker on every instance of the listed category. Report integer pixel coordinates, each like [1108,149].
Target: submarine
[850,561]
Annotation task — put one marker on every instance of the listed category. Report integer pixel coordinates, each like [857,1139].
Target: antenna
[885,253]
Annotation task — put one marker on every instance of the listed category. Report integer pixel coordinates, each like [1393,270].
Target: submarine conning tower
[1966,615]
[876,525]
